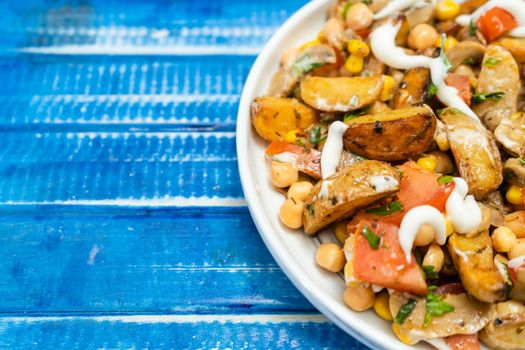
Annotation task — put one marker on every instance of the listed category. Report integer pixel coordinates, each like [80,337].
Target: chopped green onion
[315,135]
[432,90]
[310,208]
[405,311]
[387,209]
[345,9]
[371,237]
[445,180]
[305,64]
[472,28]
[435,306]
[492,62]
[430,272]
[480,97]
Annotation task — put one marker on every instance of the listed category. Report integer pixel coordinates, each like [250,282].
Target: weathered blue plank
[286,332]
[167,167]
[113,260]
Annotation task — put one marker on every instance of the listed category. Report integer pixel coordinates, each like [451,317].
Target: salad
[400,129]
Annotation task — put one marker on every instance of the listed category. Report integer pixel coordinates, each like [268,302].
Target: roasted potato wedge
[391,135]
[499,73]
[510,133]
[475,152]
[507,330]
[340,195]
[474,260]
[340,94]
[516,46]
[273,117]
[413,89]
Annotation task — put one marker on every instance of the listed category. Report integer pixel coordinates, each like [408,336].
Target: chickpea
[283,174]
[465,69]
[422,36]
[503,239]
[424,236]
[359,16]
[444,163]
[300,190]
[330,257]
[358,297]
[516,223]
[518,250]
[291,213]
[434,257]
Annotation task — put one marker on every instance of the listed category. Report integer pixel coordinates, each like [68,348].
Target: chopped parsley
[310,208]
[371,237]
[445,180]
[472,28]
[492,62]
[305,64]
[405,311]
[522,162]
[432,90]
[356,114]
[430,272]
[480,97]
[435,306]
[469,61]
[387,209]
[345,9]
[315,135]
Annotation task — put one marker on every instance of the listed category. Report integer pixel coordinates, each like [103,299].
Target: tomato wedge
[385,264]
[307,160]
[496,22]
[418,187]
[462,84]
[463,342]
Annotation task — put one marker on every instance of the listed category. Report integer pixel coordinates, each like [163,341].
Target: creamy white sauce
[333,148]
[383,183]
[323,192]
[517,262]
[395,6]
[462,254]
[383,44]
[514,7]
[412,221]
[462,209]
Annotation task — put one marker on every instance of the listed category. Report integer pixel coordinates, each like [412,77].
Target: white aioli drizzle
[514,7]
[383,44]
[462,209]
[333,148]
[412,221]
[383,183]
[517,262]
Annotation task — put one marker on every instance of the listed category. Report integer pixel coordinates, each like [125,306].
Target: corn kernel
[514,195]
[341,232]
[449,43]
[381,306]
[427,163]
[291,136]
[388,88]
[446,9]
[358,48]
[309,44]
[354,64]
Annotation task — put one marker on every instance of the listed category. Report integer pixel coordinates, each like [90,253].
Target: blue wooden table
[123,223]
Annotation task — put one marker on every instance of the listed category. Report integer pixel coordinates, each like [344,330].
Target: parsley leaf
[305,64]
[480,97]
[522,162]
[430,272]
[435,306]
[472,28]
[445,180]
[345,9]
[315,135]
[492,62]
[469,61]
[310,208]
[356,114]
[432,90]
[387,209]
[371,237]
[405,311]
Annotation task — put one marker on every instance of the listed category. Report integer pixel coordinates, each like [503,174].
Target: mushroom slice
[288,76]
[507,330]
[499,73]
[473,258]
[468,317]
[465,52]
[514,170]
[510,133]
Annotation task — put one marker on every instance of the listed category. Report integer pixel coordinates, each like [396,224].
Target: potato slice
[507,330]
[273,117]
[413,89]
[340,94]
[474,261]
[391,135]
[346,191]
[475,151]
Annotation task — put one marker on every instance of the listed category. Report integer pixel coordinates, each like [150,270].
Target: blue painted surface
[122,219]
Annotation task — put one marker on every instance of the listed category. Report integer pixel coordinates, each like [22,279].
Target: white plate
[293,250]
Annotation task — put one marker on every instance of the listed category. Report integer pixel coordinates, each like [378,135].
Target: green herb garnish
[445,180]
[305,64]
[366,2]
[432,90]
[492,62]
[345,9]
[310,208]
[417,255]
[435,306]
[315,135]
[405,311]
[472,28]
[469,61]
[387,209]
[371,237]
[442,55]
[480,97]
[430,272]
[356,114]
[522,162]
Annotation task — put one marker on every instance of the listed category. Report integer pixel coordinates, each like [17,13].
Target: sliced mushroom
[289,75]
[499,73]
[474,260]
[465,52]
[510,133]
[507,330]
[469,316]
[514,170]
[498,208]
